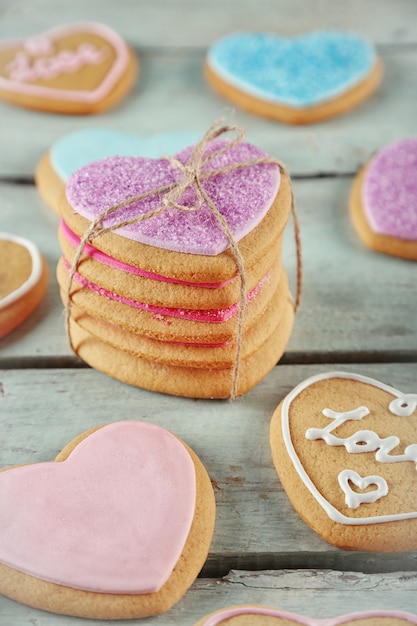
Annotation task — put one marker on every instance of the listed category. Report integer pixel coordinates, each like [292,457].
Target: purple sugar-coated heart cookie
[243,196]
[389,192]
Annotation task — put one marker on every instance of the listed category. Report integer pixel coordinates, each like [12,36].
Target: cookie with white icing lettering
[199,280]
[86,145]
[345,449]
[256,615]
[117,527]
[75,69]
[383,201]
[23,280]
[298,80]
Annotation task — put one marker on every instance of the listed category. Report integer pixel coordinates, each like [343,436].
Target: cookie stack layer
[156,304]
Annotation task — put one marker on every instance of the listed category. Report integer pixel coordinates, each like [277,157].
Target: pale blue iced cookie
[84,146]
[297,80]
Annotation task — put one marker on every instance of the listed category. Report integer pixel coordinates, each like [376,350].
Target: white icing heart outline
[35,273]
[354,499]
[331,511]
[95,95]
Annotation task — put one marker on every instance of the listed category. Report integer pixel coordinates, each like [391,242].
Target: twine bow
[192,175]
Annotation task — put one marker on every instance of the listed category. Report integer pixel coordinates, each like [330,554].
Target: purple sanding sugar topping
[243,196]
[389,193]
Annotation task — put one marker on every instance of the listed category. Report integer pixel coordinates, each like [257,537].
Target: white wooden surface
[359,309]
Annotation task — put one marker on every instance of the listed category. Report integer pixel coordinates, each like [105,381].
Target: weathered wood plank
[256,527]
[355,301]
[312,593]
[172,95]
[162,23]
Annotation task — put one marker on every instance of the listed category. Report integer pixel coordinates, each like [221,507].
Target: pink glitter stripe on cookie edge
[193,315]
[106,259]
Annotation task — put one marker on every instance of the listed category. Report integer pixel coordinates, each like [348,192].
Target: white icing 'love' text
[363,440]
[404,405]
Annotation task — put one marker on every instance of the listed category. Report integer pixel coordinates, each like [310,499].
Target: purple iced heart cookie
[243,196]
[384,200]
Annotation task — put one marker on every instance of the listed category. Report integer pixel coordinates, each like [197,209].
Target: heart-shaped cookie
[76,68]
[23,280]
[267,616]
[243,196]
[297,80]
[127,513]
[345,448]
[86,145]
[383,201]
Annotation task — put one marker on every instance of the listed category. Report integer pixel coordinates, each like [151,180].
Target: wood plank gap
[42,363]
[219,565]
[30,180]
[371,357]
[18,180]
[186,51]
[290,358]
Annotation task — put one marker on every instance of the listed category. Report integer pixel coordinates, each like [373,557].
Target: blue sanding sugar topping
[299,71]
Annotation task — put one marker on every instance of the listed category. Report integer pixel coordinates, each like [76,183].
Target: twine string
[191,177]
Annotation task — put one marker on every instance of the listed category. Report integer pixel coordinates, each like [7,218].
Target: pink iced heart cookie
[383,201]
[243,196]
[76,68]
[268,616]
[345,448]
[118,526]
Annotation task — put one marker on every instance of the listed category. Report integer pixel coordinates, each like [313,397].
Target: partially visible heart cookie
[251,615]
[345,449]
[383,201]
[117,527]
[297,80]
[76,68]
[86,145]
[23,280]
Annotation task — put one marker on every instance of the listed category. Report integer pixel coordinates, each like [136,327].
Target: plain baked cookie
[252,615]
[75,69]
[117,527]
[383,200]
[23,280]
[86,145]
[298,80]
[345,449]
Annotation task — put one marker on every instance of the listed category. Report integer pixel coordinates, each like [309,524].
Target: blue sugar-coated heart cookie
[298,74]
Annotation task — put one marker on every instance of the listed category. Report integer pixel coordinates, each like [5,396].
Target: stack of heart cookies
[171,270]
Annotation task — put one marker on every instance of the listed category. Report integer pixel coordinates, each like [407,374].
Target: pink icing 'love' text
[23,70]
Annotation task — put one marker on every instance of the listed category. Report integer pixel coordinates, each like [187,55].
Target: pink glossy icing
[102,257]
[243,196]
[48,67]
[219,618]
[112,518]
[196,315]
[389,191]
